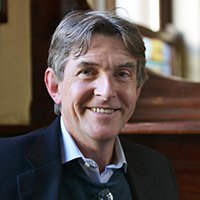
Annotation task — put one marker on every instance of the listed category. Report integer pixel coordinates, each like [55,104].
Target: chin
[102,135]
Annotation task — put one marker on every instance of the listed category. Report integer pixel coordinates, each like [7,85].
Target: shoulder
[20,139]
[149,162]
[13,149]
[29,137]
[134,148]
[19,145]
[151,169]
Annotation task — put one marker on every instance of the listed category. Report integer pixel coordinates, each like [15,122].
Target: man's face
[99,90]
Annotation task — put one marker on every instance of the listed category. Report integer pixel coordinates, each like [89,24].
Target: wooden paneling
[3,11]
[172,128]
[165,13]
[168,99]
[45,15]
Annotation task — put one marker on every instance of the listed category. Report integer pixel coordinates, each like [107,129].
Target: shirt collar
[70,151]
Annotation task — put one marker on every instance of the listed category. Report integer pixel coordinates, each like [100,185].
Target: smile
[103,110]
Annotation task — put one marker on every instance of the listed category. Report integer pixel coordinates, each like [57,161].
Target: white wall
[187,21]
[15,66]
[143,12]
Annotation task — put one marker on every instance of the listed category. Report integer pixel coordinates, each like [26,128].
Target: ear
[51,83]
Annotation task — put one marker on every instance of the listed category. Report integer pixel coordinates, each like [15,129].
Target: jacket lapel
[142,187]
[42,181]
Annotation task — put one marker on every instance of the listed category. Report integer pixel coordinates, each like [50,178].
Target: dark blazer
[30,168]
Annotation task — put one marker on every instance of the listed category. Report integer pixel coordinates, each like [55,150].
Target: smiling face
[99,90]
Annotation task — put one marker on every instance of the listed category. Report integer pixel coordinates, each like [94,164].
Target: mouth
[103,110]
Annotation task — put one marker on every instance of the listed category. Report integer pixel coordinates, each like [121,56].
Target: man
[96,68]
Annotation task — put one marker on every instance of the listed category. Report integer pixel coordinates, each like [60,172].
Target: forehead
[108,48]
[114,43]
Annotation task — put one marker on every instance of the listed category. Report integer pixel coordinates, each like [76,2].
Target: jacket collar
[47,147]
[142,187]
[43,180]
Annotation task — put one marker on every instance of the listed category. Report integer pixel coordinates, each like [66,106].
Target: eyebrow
[128,65]
[86,64]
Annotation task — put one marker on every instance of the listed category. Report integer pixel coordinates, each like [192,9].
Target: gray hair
[73,35]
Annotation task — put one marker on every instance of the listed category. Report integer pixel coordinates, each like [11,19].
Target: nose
[105,88]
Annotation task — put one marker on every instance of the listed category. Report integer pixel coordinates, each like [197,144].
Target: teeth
[103,110]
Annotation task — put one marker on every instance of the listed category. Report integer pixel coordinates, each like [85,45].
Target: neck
[102,153]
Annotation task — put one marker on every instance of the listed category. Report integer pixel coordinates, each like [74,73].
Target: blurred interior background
[174,49]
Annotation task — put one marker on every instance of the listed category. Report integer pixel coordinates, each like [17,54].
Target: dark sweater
[77,185]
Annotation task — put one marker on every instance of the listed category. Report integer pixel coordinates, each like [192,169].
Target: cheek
[76,95]
[129,95]
[129,98]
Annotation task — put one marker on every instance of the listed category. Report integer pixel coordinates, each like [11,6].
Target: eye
[86,73]
[124,75]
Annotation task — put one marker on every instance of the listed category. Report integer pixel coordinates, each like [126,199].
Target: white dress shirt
[70,151]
